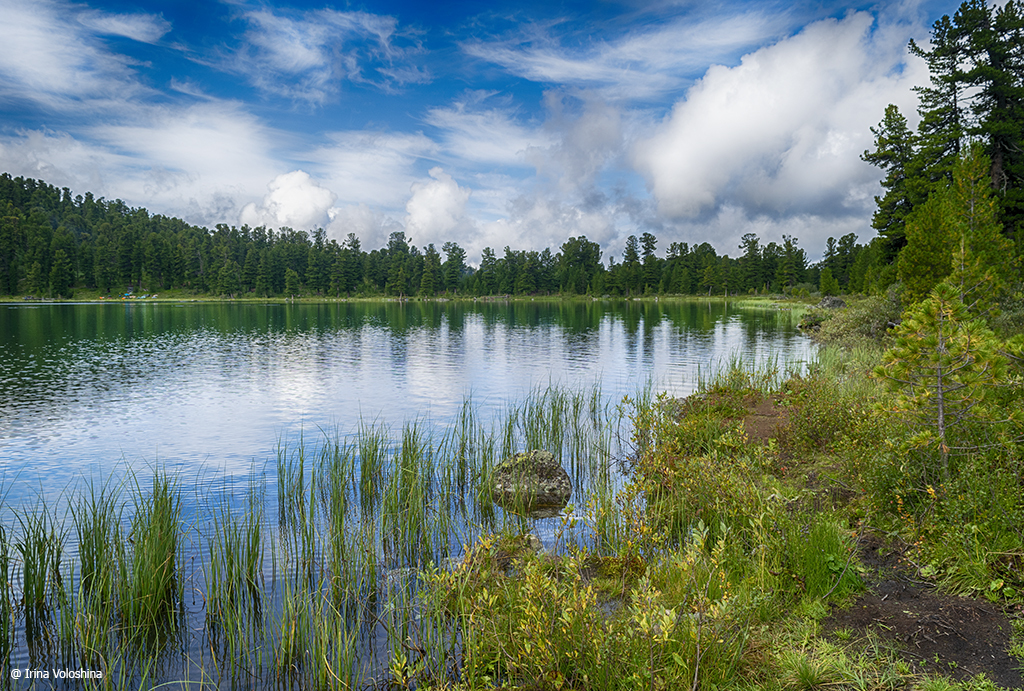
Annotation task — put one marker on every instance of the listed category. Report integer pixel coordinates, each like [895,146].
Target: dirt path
[942,634]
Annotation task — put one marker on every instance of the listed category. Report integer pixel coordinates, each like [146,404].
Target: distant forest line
[52,243]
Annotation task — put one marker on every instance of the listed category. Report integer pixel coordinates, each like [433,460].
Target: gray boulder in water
[532,483]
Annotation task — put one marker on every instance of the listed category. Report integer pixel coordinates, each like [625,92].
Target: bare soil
[764,419]
[943,634]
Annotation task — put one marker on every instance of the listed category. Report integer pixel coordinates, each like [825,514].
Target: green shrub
[862,323]
[541,625]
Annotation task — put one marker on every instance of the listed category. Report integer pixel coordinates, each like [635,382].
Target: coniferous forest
[53,242]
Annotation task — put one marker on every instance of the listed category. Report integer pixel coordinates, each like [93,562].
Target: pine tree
[229,278]
[431,272]
[943,105]
[264,286]
[982,258]
[927,258]
[632,271]
[894,153]
[651,265]
[291,282]
[829,285]
[62,275]
[945,365]
[10,243]
[454,266]
[792,263]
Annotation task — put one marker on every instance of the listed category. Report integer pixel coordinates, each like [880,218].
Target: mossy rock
[531,483]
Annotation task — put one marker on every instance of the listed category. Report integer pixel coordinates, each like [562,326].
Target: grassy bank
[720,564]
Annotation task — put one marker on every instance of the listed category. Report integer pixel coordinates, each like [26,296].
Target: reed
[97,521]
[372,449]
[40,545]
[234,582]
[149,587]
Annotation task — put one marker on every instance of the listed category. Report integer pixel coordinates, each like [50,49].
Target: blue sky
[490,124]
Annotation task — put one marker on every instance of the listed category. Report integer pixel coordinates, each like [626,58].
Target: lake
[211,388]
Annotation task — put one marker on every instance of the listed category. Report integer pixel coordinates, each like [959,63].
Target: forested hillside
[52,243]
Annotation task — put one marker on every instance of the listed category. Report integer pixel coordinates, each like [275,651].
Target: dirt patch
[764,418]
[943,634]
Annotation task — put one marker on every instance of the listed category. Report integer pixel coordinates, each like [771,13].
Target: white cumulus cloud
[781,133]
[437,209]
[295,200]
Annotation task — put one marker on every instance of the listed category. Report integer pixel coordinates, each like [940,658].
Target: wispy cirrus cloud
[641,64]
[375,168]
[482,127]
[51,57]
[145,28]
[307,56]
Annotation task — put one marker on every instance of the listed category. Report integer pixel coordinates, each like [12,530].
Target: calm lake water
[210,389]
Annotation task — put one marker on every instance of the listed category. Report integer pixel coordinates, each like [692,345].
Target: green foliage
[894,151]
[969,110]
[863,323]
[944,366]
[982,258]
[927,257]
[828,284]
[823,557]
[40,547]
[61,275]
[149,585]
[291,282]
[540,624]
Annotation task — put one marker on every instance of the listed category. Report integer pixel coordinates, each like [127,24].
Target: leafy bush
[862,323]
[541,625]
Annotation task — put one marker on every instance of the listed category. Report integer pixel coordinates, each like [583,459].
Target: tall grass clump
[372,450]
[97,519]
[234,585]
[40,546]
[822,557]
[149,586]
[91,616]
[407,502]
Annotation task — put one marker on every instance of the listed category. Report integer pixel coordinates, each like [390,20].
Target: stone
[831,302]
[531,483]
